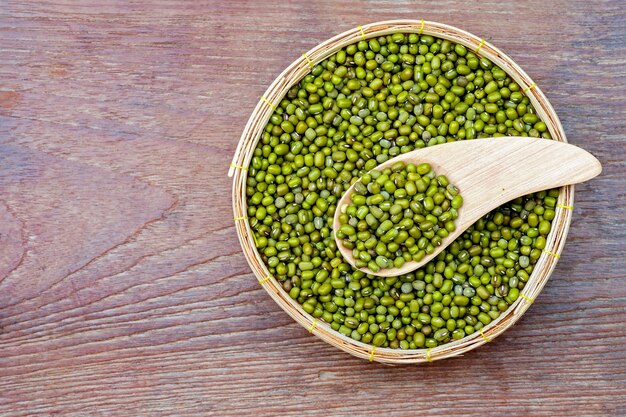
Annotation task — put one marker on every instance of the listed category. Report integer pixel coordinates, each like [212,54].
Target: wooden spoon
[488,173]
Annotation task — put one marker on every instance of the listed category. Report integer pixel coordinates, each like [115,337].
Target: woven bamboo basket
[259,118]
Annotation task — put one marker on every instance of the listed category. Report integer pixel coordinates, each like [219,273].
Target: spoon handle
[490,172]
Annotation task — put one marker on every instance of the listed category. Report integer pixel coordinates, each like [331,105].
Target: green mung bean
[358,108]
[400,217]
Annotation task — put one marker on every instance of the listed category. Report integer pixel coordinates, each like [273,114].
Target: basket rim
[251,135]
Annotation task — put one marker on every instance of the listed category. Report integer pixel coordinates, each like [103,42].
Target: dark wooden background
[123,289]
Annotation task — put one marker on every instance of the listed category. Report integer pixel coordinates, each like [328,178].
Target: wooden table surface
[123,289]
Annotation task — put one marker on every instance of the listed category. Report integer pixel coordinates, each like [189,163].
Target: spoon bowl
[488,173]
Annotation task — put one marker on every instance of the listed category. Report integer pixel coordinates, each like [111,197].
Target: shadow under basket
[252,133]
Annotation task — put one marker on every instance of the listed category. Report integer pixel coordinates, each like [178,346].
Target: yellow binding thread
[264,280]
[268,103]
[312,327]
[565,207]
[428,358]
[527,298]
[372,353]
[556,255]
[482,42]
[421,27]
[362,33]
[487,340]
[240,218]
[238,167]
[311,64]
[530,87]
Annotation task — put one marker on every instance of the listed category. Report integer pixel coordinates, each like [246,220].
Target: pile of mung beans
[399,214]
[367,103]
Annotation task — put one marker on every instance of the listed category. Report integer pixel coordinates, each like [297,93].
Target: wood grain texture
[123,290]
